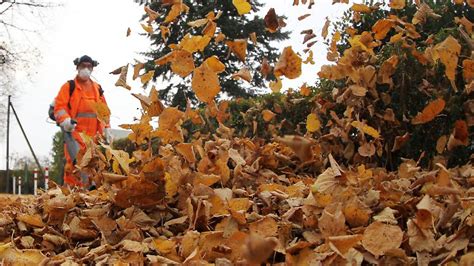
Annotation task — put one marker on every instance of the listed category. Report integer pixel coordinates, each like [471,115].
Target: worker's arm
[61,109]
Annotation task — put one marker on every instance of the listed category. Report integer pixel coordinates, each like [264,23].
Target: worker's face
[84,70]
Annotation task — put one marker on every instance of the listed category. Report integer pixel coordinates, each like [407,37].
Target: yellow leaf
[361,8]
[102,111]
[151,104]
[243,7]
[205,83]
[397,4]
[267,115]
[397,37]
[333,54]
[33,219]
[214,63]
[147,77]
[358,90]
[194,43]
[187,151]
[169,125]
[265,227]
[366,129]
[388,69]
[115,168]
[382,27]
[289,64]
[147,28]
[356,213]
[171,187]
[239,204]
[164,246]
[175,11]
[362,41]
[447,52]
[239,48]
[141,131]
[207,180]
[305,91]
[312,123]
[276,86]
[182,63]
[429,112]
[193,115]
[310,59]
[170,118]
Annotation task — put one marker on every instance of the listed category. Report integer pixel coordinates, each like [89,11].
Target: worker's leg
[69,178]
[71,149]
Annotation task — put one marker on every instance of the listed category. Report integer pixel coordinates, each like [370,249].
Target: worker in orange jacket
[74,113]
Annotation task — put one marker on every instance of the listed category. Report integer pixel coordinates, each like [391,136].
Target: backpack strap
[101,91]
[72,87]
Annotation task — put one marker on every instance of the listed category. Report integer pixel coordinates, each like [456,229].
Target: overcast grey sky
[97,28]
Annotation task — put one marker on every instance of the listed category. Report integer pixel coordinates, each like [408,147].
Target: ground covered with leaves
[374,169]
[242,202]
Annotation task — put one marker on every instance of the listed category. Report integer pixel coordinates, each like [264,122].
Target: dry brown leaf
[243,73]
[258,249]
[429,112]
[332,221]
[271,21]
[448,52]
[379,238]
[324,32]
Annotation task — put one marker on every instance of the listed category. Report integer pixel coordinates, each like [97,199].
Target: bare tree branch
[6,24]
[27,4]
[6,9]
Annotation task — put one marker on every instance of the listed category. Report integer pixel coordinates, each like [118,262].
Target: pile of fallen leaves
[216,197]
[227,201]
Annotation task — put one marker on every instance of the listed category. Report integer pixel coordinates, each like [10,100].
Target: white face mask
[85,73]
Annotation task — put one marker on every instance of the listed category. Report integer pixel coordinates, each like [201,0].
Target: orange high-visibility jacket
[78,106]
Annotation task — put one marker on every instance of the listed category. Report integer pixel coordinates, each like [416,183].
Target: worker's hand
[108,135]
[67,125]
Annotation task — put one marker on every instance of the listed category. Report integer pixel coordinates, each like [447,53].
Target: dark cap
[85,58]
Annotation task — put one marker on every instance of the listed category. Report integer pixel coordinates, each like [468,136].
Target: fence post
[46,178]
[19,185]
[35,182]
[14,184]
[7,185]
